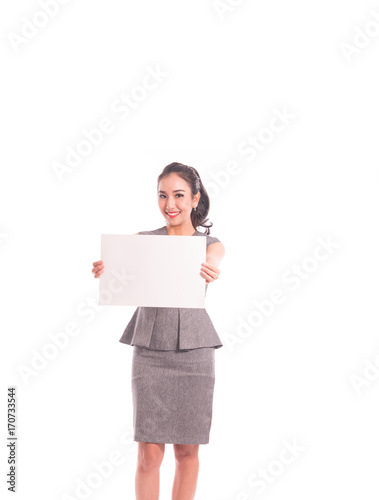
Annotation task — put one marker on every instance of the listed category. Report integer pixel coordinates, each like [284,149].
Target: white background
[290,379]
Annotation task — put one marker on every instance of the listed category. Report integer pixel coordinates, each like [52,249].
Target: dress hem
[171,440]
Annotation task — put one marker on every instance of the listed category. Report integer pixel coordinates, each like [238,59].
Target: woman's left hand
[209,271]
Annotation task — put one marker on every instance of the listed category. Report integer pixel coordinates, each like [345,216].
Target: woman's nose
[170,207]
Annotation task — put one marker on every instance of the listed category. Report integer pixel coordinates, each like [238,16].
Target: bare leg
[186,471]
[150,456]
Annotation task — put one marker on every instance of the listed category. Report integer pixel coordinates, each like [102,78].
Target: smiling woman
[173,364]
[183,199]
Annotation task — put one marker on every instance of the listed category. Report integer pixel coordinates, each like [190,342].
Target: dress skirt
[173,395]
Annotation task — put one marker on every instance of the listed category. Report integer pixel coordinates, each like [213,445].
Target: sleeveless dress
[173,370]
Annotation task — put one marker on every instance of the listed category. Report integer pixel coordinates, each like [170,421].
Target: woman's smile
[172,215]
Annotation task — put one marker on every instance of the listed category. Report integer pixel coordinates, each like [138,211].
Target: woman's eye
[178,194]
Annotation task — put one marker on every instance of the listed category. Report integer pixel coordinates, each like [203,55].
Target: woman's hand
[209,271]
[98,268]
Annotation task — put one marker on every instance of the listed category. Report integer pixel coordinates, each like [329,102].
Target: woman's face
[174,195]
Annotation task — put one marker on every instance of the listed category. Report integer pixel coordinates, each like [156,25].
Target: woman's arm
[214,255]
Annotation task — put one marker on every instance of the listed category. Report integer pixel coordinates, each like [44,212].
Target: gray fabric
[171,328]
[173,395]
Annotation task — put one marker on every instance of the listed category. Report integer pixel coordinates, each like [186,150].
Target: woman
[173,365]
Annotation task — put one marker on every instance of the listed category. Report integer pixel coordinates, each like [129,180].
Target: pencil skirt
[173,395]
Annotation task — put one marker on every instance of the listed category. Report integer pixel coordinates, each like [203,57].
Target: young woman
[173,364]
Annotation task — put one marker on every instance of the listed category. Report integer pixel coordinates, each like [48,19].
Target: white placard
[152,270]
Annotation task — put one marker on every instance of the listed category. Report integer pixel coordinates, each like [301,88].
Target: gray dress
[173,370]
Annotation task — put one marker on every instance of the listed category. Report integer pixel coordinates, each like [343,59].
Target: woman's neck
[180,231]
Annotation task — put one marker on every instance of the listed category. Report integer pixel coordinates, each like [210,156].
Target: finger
[215,270]
[96,269]
[212,269]
[211,275]
[99,266]
[207,276]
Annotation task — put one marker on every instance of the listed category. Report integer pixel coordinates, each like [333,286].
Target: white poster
[152,270]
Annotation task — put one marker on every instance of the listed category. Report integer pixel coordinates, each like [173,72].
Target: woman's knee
[186,452]
[150,455]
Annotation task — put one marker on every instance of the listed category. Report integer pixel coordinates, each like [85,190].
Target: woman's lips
[173,215]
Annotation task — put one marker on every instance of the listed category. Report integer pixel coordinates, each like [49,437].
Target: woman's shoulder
[210,239]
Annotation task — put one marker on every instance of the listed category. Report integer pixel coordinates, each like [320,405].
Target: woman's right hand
[98,268]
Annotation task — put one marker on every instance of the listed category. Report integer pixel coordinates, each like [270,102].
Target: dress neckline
[184,234]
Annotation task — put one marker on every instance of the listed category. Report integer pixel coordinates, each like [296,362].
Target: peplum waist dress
[173,370]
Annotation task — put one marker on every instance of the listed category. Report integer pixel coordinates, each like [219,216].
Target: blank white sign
[152,270]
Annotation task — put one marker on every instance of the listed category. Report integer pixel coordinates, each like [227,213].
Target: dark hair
[191,175]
